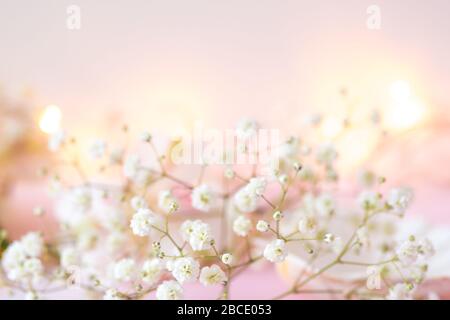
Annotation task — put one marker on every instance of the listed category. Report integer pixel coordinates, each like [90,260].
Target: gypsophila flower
[200,237]
[124,269]
[138,202]
[68,257]
[32,244]
[369,200]
[400,291]
[275,251]
[245,201]
[97,149]
[212,275]
[399,199]
[151,271]
[113,294]
[31,295]
[185,269]
[169,290]
[227,258]
[242,226]
[142,222]
[307,225]
[262,226]
[167,202]
[257,186]
[203,198]
[21,260]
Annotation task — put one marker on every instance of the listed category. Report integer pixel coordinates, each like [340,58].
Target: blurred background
[162,65]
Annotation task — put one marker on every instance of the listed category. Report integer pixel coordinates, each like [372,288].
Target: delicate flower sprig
[153,231]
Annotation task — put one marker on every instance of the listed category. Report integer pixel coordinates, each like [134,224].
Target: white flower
[245,200]
[151,271]
[275,251]
[400,291]
[187,227]
[262,226]
[138,202]
[113,294]
[212,275]
[124,269]
[242,226]
[425,248]
[21,259]
[369,200]
[257,186]
[167,202]
[307,225]
[68,257]
[411,251]
[203,198]
[146,136]
[80,200]
[97,149]
[142,221]
[31,295]
[326,154]
[56,140]
[185,269]
[407,252]
[325,205]
[169,290]
[399,199]
[33,266]
[200,237]
[246,128]
[227,258]
[32,244]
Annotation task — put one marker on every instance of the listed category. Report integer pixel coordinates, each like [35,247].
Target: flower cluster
[152,231]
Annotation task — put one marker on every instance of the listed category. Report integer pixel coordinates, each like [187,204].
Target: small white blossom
[201,236]
[68,257]
[400,291]
[185,269]
[203,198]
[32,244]
[369,200]
[212,275]
[167,202]
[242,226]
[307,225]
[124,269]
[227,258]
[275,251]
[257,186]
[262,226]
[399,199]
[113,294]
[142,222]
[151,271]
[169,290]
[245,201]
